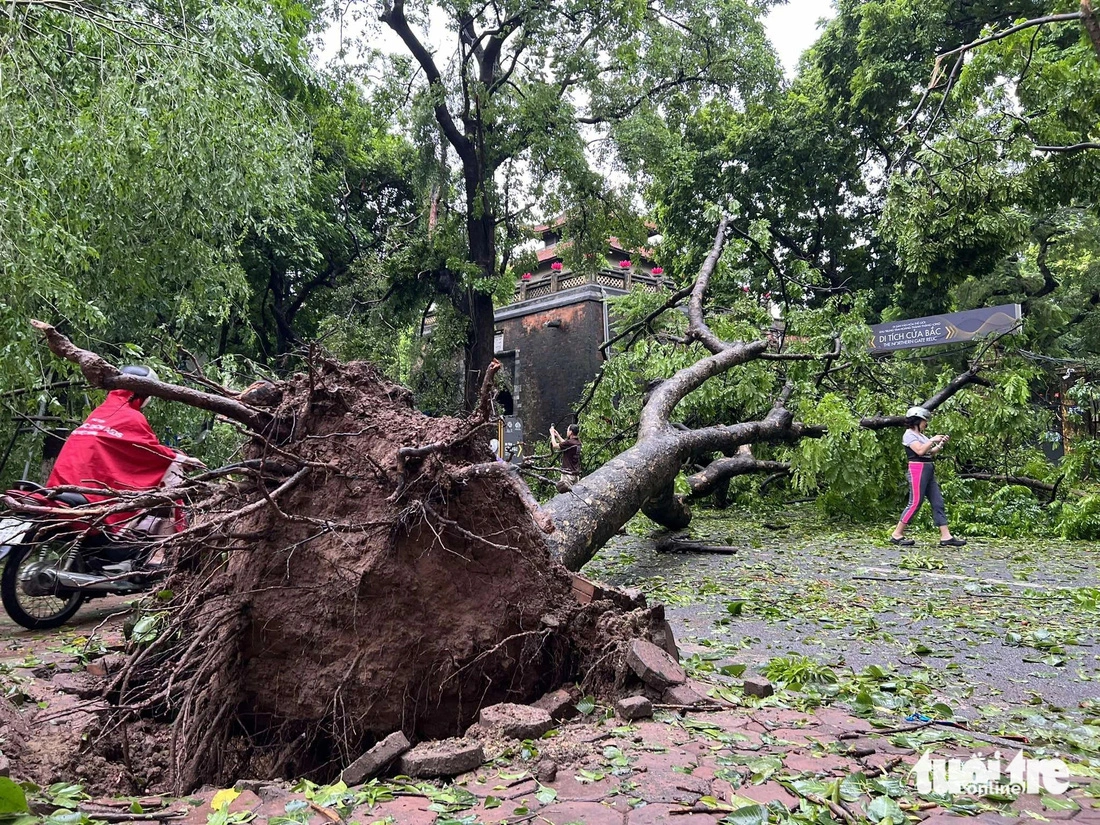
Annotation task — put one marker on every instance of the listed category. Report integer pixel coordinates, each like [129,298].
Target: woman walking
[920,448]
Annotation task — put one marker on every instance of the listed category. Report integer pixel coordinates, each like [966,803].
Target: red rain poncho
[114,448]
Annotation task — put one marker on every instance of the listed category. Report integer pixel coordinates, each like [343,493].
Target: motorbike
[55,558]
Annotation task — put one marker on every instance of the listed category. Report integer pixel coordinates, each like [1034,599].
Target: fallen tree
[369,569]
[363,569]
[642,477]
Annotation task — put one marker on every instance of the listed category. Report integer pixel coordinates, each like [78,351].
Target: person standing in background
[570,449]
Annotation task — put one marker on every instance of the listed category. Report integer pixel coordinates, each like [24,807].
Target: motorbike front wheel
[25,599]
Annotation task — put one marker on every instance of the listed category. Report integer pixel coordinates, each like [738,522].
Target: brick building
[548,338]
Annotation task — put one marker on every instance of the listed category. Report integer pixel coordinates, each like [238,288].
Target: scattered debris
[634,707]
[374,760]
[546,771]
[653,665]
[758,686]
[559,704]
[670,545]
[516,721]
[683,696]
[446,757]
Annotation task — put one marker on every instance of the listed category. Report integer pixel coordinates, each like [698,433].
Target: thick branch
[667,509]
[705,481]
[882,422]
[699,329]
[663,400]
[394,17]
[101,374]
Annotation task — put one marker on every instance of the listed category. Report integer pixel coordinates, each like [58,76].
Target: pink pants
[922,485]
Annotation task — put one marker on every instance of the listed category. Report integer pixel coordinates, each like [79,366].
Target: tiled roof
[549,253]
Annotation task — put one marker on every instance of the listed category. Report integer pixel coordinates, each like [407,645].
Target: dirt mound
[372,569]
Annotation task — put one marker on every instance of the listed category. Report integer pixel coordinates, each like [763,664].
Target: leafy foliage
[135,161]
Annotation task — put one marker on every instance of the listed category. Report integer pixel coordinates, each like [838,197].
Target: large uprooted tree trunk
[642,477]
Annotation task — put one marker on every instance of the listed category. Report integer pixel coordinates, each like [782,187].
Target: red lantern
[527,276]
[657,270]
[556,266]
[625,264]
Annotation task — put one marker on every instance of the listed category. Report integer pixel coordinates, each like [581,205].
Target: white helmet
[918,412]
[141,372]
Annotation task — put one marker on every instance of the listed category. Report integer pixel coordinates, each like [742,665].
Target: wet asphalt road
[993,627]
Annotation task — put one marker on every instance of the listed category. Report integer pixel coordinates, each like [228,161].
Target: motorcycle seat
[71,499]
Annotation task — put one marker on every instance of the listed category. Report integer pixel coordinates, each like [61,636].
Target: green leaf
[1058,803]
[889,785]
[764,767]
[749,815]
[146,628]
[13,800]
[885,810]
[546,795]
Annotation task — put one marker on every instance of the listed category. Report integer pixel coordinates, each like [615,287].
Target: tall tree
[528,96]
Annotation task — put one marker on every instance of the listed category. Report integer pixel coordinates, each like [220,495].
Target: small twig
[884,768]
[111,816]
[327,813]
[710,707]
[838,808]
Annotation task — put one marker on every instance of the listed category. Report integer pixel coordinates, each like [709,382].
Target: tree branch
[485,396]
[707,479]
[1077,147]
[393,15]
[1027,24]
[699,330]
[971,376]
[101,374]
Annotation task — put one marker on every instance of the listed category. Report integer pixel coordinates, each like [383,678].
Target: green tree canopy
[527,104]
[141,142]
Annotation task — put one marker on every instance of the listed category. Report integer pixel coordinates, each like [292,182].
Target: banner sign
[945,329]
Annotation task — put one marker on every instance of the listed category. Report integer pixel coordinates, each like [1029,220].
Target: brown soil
[354,604]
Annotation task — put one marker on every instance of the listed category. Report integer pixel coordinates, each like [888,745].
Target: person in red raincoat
[115,448]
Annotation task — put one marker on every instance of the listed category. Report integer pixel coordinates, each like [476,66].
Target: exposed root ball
[353,591]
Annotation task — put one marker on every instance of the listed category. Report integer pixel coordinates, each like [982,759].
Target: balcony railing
[624,279]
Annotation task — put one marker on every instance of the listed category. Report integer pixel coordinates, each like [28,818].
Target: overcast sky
[793,28]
